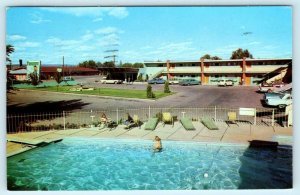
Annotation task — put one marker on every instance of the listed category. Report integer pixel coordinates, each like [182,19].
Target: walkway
[241,134]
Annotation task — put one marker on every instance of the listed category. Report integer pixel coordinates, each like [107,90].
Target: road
[186,96]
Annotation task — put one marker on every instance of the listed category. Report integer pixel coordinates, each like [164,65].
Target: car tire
[115,82]
[269,90]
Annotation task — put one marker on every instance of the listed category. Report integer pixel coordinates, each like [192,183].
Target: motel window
[193,75]
[216,76]
[193,64]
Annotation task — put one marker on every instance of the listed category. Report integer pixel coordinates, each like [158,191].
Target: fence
[74,120]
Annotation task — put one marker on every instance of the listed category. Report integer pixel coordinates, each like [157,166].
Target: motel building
[208,72]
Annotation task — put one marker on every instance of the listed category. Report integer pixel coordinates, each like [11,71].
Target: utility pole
[63,64]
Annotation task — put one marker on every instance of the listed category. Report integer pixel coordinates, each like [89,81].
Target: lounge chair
[187,124]
[151,124]
[135,123]
[209,123]
[231,118]
[167,118]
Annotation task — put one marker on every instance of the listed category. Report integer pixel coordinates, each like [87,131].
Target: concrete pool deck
[236,134]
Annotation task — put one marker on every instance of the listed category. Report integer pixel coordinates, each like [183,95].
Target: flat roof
[208,60]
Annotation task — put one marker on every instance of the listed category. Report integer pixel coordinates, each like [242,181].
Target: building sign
[247,111]
[33,67]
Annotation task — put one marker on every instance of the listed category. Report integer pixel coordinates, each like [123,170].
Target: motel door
[248,80]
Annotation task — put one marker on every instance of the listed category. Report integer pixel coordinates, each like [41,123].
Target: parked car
[280,101]
[189,82]
[225,83]
[68,79]
[173,81]
[104,80]
[156,81]
[269,87]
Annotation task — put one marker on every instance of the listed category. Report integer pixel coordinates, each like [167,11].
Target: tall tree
[240,54]
[216,58]
[109,64]
[9,50]
[88,64]
[127,65]
[206,56]
[138,65]
[209,57]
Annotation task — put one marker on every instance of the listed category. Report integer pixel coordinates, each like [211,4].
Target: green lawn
[126,93]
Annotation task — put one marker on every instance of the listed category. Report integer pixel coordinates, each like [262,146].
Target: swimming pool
[112,164]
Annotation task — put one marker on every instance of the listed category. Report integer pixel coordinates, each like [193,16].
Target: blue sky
[146,33]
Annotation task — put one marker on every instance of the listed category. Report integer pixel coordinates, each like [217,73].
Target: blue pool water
[111,164]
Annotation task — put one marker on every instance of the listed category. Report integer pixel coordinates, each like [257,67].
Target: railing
[83,119]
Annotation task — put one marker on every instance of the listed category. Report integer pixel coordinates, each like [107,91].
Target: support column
[168,69]
[202,71]
[244,71]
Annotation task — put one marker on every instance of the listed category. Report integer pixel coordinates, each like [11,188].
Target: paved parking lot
[186,96]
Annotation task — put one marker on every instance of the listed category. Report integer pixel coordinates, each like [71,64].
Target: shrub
[140,77]
[150,93]
[167,89]
[159,116]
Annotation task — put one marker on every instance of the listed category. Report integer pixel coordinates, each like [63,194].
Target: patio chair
[151,124]
[231,118]
[209,123]
[187,124]
[167,118]
[134,123]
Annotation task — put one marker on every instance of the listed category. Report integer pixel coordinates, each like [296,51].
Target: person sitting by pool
[129,120]
[157,147]
[103,119]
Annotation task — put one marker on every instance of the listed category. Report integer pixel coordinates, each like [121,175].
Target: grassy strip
[126,93]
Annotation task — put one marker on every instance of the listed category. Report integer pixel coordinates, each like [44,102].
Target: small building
[19,74]
[48,72]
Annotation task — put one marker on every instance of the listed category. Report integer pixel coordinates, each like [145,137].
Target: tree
[34,78]
[206,56]
[240,54]
[58,77]
[216,58]
[88,64]
[138,65]
[150,93]
[166,87]
[140,77]
[209,57]
[109,64]
[9,50]
[126,65]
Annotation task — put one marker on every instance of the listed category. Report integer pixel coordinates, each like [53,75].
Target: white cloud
[37,18]
[117,12]
[254,43]
[29,44]
[16,37]
[107,30]
[87,36]
[85,48]
[108,40]
[61,43]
